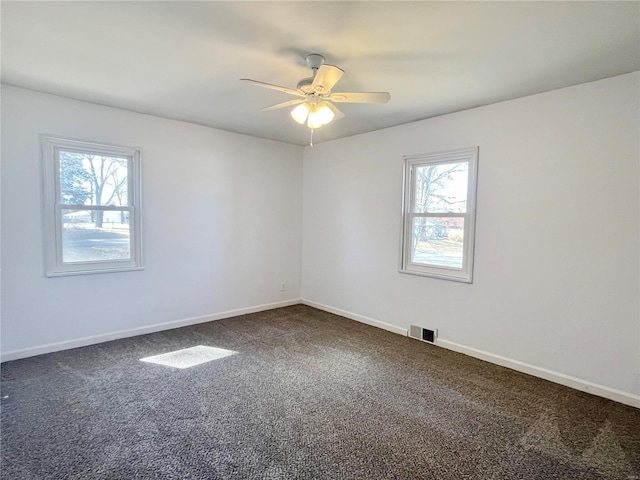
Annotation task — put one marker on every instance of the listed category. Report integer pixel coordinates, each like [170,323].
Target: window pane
[95,235]
[438,241]
[441,188]
[93,179]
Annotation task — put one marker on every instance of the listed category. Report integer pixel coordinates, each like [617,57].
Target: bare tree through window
[87,181]
[440,189]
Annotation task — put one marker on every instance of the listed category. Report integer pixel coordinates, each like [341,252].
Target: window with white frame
[91,207]
[439,214]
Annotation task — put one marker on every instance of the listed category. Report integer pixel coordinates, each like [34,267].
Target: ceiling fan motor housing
[304,85]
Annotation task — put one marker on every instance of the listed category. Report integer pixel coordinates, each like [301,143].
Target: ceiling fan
[315,98]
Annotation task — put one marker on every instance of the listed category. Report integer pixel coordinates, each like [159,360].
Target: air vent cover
[423,334]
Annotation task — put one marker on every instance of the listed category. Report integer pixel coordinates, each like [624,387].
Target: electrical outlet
[283,287]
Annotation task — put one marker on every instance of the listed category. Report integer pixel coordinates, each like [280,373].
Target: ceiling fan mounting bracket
[314,61]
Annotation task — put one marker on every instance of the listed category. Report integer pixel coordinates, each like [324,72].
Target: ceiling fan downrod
[314,62]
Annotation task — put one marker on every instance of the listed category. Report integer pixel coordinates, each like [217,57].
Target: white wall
[556,282]
[221,224]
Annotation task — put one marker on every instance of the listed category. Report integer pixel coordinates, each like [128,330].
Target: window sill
[67,273]
[441,276]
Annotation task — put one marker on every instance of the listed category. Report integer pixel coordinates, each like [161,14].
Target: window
[91,207]
[439,214]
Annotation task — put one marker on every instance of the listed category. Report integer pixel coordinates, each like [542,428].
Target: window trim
[410,162]
[52,207]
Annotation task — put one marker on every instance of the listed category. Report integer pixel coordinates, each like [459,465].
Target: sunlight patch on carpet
[189,357]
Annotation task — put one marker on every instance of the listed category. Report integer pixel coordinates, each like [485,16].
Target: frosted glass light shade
[324,113]
[319,115]
[315,114]
[300,113]
[314,121]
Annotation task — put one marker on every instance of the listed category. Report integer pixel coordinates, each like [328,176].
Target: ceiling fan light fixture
[300,113]
[314,98]
[320,115]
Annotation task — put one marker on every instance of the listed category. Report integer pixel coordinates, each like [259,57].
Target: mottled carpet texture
[307,395]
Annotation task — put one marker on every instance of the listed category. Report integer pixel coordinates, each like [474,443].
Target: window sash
[118,263]
[410,248]
[415,166]
[107,153]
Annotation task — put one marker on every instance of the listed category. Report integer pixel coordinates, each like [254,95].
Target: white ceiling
[183,60]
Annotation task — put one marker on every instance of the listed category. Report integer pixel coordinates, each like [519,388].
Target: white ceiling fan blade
[338,114]
[360,97]
[326,77]
[290,103]
[273,87]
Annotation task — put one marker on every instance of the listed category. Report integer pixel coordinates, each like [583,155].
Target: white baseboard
[91,340]
[556,377]
[356,317]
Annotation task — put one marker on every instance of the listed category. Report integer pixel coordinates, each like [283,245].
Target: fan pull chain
[311,141]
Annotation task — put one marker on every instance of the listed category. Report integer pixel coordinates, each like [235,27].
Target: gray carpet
[308,395]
